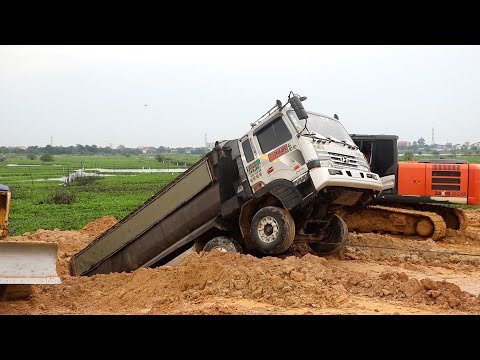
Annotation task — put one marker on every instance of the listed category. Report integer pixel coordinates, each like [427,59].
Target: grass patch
[39,203]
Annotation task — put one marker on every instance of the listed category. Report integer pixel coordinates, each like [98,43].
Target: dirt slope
[376,274]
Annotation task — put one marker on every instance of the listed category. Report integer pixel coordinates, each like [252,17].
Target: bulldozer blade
[28,263]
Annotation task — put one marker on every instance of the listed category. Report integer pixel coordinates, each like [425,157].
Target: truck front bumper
[324,177]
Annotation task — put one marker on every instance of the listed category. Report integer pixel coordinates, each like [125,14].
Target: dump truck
[22,263]
[280,182]
[416,196]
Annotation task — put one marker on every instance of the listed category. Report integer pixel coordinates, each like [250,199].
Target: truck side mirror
[298,107]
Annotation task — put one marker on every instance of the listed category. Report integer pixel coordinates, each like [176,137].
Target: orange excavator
[417,195]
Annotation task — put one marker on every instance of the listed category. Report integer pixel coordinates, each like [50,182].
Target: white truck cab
[280,145]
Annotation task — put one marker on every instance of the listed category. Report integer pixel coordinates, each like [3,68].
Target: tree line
[97,150]
[422,146]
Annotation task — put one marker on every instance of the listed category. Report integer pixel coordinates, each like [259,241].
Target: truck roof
[373,137]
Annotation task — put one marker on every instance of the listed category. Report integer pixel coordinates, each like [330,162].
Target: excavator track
[386,219]
[454,218]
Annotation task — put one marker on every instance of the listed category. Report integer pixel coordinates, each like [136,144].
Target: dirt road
[376,274]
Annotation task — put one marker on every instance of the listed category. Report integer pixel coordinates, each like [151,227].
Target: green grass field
[104,195]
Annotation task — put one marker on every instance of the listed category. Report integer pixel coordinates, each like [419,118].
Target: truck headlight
[326,163]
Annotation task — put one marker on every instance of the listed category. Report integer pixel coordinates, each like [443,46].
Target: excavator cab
[381,153]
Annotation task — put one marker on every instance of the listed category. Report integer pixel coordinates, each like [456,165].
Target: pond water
[102,172]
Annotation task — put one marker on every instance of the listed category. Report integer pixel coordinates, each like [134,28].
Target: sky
[96,95]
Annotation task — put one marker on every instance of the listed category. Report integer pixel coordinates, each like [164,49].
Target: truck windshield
[329,128]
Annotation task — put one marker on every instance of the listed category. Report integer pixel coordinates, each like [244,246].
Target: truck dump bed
[163,226]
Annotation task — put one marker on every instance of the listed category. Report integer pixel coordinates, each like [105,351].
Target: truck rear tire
[272,230]
[335,238]
[224,244]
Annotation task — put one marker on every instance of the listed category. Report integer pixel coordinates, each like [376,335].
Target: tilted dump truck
[280,182]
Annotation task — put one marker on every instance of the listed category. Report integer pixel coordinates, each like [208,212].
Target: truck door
[280,155]
[251,161]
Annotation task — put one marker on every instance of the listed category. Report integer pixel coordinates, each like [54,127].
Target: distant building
[404,143]
[147,149]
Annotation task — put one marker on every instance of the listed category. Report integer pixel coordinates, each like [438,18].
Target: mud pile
[376,273]
[458,246]
[69,242]
[398,286]
[308,284]
[99,226]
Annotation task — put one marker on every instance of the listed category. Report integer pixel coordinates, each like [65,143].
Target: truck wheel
[198,246]
[224,244]
[272,230]
[334,239]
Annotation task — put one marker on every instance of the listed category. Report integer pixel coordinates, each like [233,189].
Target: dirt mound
[293,284]
[398,286]
[374,274]
[473,216]
[99,226]
[69,242]
[457,248]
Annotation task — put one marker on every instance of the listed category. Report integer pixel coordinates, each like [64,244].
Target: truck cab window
[247,150]
[273,135]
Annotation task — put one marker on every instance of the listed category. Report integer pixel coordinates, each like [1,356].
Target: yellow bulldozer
[22,263]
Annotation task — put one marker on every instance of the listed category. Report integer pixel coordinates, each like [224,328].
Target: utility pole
[433,136]
[51,140]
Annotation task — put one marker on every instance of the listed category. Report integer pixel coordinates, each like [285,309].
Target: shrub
[31,156]
[46,157]
[408,155]
[61,197]
[160,158]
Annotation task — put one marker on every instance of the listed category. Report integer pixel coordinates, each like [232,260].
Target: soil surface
[375,274]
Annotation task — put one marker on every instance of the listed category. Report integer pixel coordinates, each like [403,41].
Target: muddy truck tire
[334,239]
[223,243]
[272,230]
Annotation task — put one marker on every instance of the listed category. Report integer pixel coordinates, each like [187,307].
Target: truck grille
[343,161]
